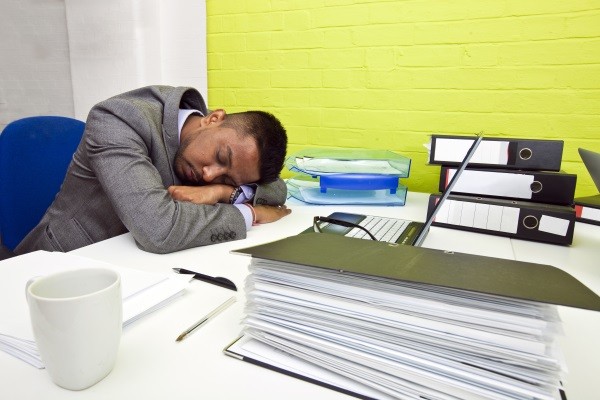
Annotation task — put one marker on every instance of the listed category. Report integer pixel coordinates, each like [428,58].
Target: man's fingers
[283,209]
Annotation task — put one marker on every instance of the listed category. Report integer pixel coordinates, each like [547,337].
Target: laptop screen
[449,188]
[592,164]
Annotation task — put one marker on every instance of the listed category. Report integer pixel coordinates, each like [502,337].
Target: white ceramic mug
[77,321]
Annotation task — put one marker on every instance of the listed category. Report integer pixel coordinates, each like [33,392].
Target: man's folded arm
[119,157]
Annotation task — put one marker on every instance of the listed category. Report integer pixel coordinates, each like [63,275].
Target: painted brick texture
[386,74]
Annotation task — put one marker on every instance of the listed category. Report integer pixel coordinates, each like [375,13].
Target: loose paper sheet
[142,293]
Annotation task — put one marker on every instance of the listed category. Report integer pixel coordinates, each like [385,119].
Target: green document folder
[514,279]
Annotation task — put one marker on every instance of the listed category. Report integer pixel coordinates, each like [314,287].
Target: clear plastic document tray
[345,189]
[319,162]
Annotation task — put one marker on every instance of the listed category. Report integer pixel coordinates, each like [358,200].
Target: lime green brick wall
[387,74]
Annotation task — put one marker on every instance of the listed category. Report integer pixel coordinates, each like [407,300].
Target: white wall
[35,75]
[60,57]
[119,45]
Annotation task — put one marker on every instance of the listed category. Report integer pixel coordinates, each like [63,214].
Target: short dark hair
[270,136]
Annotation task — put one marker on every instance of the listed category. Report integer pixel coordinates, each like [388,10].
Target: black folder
[587,209]
[506,153]
[537,186]
[515,279]
[538,222]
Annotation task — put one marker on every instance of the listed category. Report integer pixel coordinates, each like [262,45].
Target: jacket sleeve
[271,194]
[124,142]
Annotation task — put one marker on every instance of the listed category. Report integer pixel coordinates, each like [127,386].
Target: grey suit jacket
[118,178]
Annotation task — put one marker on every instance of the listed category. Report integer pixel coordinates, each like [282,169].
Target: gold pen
[206,318]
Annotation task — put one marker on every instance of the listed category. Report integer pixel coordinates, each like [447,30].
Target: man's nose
[211,172]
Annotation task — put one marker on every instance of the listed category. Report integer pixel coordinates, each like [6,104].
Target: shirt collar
[182,117]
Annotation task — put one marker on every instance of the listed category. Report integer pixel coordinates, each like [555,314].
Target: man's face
[215,154]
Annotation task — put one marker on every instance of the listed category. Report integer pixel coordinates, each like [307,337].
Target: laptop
[592,163]
[392,230]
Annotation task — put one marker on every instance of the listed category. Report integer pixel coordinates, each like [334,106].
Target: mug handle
[29,282]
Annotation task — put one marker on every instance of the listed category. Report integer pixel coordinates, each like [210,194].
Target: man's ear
[216,116]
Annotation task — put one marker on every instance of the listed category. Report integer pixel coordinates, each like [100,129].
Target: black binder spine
[509,218]
[525,154]
[545,186]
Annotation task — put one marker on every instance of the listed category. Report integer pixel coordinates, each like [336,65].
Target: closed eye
[224,157]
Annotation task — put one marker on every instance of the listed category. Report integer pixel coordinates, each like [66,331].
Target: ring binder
[513,153]
[538,186]
[587,209]
[537,222]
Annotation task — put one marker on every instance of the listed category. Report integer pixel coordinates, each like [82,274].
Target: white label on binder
[556,226]
[488,152]
[478,215]
[590,213]
[494,218]
[510,219]
[481,216]
[467,217]
[493,183]
[442,214]
[454,211]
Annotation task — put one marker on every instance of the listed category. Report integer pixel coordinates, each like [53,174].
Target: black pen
[215,280]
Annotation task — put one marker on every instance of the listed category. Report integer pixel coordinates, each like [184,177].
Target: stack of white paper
[402,340]
[143,292]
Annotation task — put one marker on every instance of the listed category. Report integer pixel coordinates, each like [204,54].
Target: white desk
[151,365]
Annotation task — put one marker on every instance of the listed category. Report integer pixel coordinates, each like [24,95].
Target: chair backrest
[35,153]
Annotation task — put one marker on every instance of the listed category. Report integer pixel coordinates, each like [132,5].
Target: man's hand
[217,193]
[207,194]
[265,214]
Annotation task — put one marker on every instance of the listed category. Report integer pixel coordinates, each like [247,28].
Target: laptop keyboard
[384,229]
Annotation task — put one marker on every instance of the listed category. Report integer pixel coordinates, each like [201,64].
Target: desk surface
[151,365]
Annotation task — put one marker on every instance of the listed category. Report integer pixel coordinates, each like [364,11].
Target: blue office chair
[34,155]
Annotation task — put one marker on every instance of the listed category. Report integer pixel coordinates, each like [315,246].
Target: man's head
[269,135]
[234,149]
